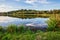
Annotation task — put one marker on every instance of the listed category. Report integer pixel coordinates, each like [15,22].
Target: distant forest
[24,13]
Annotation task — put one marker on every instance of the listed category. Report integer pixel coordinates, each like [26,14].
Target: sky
[10,5]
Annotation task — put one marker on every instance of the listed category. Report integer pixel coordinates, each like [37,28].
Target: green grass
[30,36]
[14,32]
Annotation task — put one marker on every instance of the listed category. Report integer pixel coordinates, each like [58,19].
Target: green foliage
[21,29]
[1,28]
[23,13]
[48,36]
[35,36]
[57,29]
[22,34]
[11,28]
[52,22]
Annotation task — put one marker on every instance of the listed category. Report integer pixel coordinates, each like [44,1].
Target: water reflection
[5,20]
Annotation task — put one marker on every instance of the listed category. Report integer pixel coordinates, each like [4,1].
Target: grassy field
[28,35]
[14,32]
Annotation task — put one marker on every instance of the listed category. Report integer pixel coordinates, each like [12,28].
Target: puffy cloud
[30,1]
[37,1]
[43,1]
[5,8]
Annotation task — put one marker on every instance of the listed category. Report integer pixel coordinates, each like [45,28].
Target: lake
[5,21]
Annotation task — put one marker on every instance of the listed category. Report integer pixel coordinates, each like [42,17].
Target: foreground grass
[20,33]
[31,36]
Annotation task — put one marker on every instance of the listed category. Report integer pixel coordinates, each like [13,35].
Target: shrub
[1,28]
[21,29]
[52,23]
[11,28]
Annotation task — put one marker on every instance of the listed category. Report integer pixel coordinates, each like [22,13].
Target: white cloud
[30,1]
[37,1]
[17,0]
[5,8]
[43,1]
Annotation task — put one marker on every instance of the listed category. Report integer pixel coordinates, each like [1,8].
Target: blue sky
[9,5]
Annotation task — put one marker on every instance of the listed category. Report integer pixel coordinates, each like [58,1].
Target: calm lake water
[5,21]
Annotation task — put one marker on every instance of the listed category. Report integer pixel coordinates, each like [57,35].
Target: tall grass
[13,32]
[54,23]
[51,23]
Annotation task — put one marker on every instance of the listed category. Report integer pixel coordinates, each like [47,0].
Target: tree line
[30,13]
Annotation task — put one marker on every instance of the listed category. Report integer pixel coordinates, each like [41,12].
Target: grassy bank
[14,32]
[30,36]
